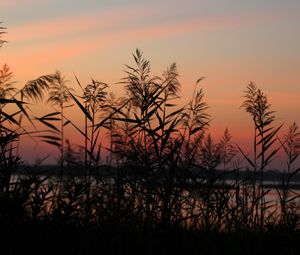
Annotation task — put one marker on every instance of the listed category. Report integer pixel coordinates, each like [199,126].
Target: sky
[229,42]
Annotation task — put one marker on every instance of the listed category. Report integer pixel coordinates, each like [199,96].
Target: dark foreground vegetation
[158,185]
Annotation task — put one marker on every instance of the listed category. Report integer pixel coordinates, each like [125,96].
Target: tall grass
[165,171]
[257,105]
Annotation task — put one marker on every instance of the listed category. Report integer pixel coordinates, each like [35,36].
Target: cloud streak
[49,44]
[73,37]
[78,25]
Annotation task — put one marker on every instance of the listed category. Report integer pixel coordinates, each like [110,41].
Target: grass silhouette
[164,189]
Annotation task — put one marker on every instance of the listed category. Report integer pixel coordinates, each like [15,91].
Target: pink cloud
[166,30]
[89,43]
[103,33]
[90,23]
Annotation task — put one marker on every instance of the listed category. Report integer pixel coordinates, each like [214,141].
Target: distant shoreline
[271,178]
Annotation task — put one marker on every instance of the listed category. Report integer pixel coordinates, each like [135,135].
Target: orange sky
[230,42]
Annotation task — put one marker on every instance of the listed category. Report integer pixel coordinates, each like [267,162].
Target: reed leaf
[82,108]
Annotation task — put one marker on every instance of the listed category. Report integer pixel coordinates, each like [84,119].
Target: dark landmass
[275,176]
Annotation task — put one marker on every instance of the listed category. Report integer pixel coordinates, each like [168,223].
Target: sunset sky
[230,42]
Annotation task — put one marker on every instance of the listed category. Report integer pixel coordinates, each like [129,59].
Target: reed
[165,186]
